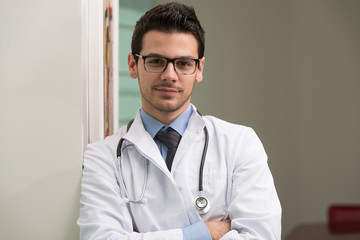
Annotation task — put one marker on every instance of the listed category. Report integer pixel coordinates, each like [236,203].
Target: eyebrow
[159,55]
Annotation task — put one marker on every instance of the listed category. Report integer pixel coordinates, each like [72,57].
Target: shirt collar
[153,126]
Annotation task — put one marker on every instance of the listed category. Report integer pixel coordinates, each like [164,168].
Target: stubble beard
[157,102]
[162,106]
[168,108]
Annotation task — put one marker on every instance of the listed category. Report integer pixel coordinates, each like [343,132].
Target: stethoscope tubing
[202,163]
[121,180]
[201,210]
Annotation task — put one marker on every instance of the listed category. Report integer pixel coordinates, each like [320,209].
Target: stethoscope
[202,204]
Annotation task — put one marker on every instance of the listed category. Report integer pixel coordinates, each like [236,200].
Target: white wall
[40,123]
[290,70]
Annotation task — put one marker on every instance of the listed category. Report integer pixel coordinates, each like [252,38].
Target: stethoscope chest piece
[202,205]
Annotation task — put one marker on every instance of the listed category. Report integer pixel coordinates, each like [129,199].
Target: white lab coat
[237,181]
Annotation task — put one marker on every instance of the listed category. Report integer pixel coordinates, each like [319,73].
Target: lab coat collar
[144,143]
[153,126]
[193,134]
[147,146]
[196,123]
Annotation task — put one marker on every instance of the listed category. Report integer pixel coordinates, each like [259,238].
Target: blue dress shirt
[198,230]
[153,126]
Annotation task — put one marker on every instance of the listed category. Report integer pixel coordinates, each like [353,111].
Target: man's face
[167,92]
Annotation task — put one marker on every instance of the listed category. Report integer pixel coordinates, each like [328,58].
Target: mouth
[167,91]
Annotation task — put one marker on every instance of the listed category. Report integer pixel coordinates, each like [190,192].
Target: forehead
[170,45]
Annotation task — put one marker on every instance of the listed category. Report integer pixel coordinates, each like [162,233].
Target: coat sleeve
[254,207]
[103,213]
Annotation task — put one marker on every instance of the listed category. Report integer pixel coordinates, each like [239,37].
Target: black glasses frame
[172,60]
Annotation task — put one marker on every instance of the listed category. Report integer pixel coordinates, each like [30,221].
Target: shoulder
[227,128]
[238,141]
[104,150]
[108,142]
[234,137]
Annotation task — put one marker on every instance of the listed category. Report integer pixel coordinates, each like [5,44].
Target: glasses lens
[185,65]
[155,64]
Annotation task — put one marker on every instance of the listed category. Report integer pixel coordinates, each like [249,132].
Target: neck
[165,117]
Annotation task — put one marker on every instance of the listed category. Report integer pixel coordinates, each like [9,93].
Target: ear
[132,66]
[199,72]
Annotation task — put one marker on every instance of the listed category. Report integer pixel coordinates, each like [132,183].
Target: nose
[169,74]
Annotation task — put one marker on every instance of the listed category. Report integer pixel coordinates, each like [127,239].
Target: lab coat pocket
[215,189]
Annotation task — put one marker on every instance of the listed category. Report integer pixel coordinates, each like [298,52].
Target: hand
[218,229]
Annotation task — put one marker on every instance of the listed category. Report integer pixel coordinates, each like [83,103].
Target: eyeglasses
[182,66]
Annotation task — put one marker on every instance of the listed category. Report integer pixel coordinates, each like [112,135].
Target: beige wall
[40,123]
[290,70]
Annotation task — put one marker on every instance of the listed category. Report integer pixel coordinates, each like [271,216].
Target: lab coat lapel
[162,185]
[144,143]
[190,138]
[191,143]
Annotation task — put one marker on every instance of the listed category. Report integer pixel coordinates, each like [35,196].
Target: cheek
[189,86]
[145,81]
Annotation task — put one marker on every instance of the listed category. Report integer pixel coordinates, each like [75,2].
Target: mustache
[167,85]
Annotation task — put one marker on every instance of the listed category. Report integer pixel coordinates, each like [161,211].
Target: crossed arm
[218,229]
[258,216]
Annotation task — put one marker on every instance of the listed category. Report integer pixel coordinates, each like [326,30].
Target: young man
[212,183]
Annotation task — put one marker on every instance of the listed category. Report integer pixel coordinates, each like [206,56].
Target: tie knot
[170,138]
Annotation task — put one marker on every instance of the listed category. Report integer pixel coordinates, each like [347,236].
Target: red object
[344,218]
[319,231]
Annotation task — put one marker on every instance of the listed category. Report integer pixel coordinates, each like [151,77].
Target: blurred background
[291,71]
[287,68]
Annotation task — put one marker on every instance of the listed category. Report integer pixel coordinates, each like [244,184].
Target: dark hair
[169,17]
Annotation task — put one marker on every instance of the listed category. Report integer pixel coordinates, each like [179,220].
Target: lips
[167,91]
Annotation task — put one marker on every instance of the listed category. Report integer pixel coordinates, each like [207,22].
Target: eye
[156,61]
[185,63]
